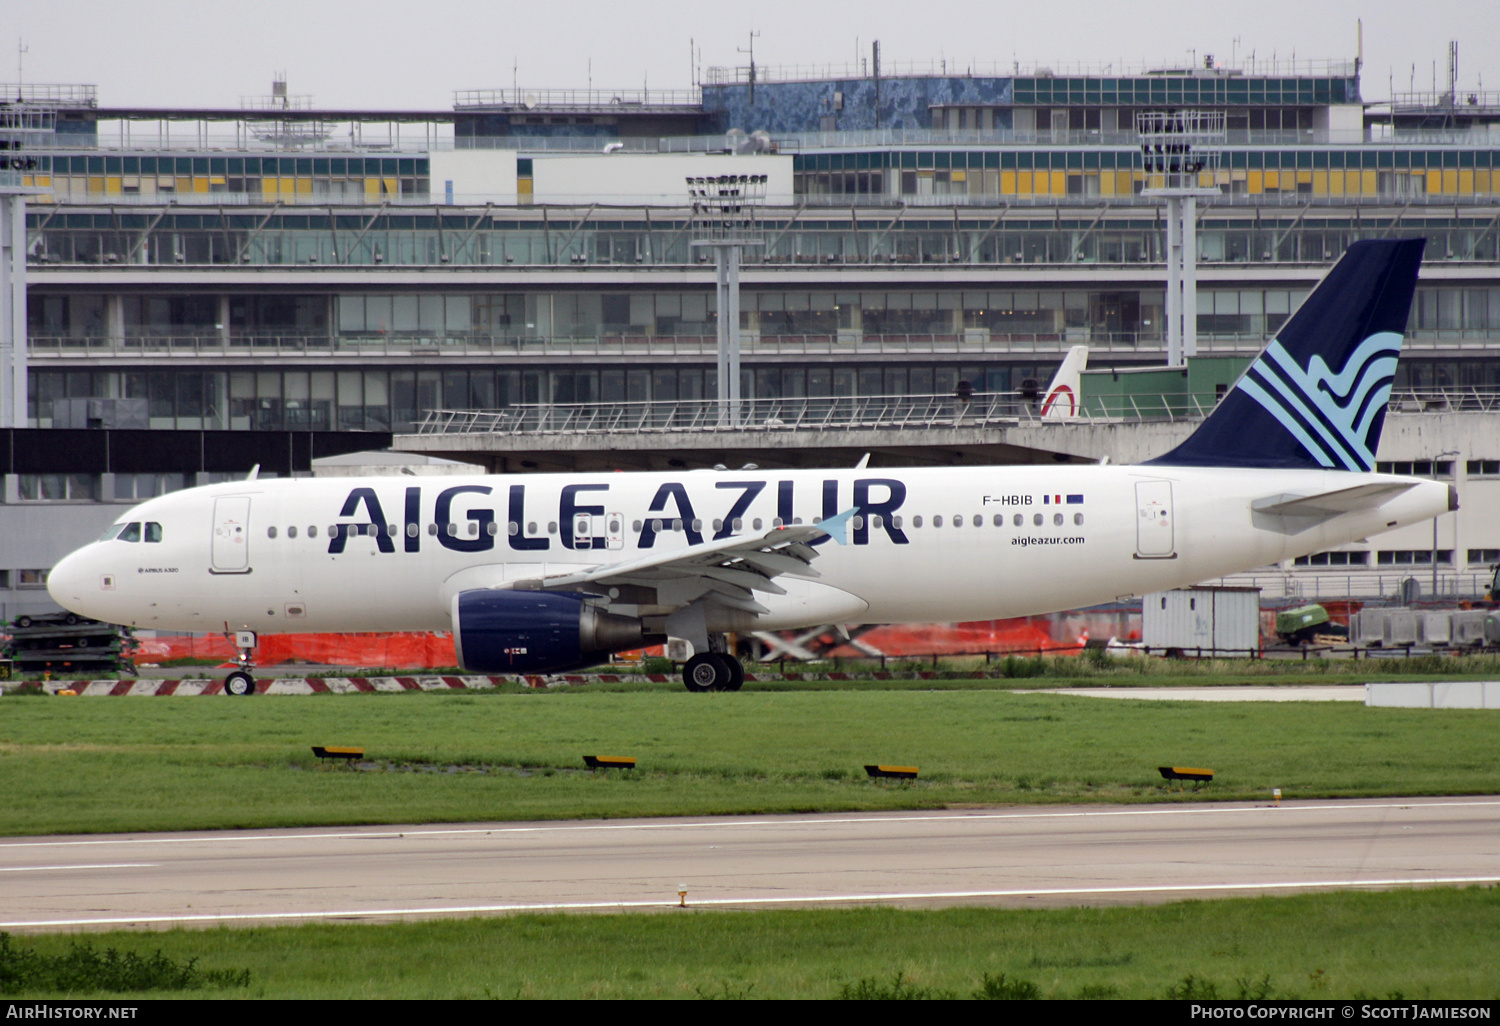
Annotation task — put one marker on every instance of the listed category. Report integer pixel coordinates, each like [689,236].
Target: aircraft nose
[72,583]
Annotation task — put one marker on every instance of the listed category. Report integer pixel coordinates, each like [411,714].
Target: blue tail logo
[1332,414]
[1315,397]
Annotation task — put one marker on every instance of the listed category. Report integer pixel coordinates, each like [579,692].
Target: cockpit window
[153,532]
[132,533]
[111,531]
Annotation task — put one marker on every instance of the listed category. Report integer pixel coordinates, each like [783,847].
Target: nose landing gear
[241,682]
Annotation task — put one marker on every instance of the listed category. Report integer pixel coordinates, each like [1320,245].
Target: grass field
[110,764]
[1408,944]
[106,764]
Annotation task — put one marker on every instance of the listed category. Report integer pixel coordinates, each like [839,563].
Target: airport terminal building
[323,279]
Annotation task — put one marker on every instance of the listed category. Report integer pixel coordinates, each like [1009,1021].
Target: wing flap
[734,567]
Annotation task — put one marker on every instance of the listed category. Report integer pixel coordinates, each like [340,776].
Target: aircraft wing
[732,568]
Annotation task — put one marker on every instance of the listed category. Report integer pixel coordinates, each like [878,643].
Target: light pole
[1180,153]
[724,221]
[1435,460]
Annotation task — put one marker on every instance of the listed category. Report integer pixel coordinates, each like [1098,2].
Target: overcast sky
[379,53]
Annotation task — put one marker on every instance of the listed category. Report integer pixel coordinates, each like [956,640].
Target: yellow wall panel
[1007,183]
[1450,182]
[1369,182]
[1466,183]
[1482,181]
[304,186]
[1434,182]
[372,188]
[112,185]
[1107,183]
[1254,182]
[1273,179]
[1320,183]
[1059,183]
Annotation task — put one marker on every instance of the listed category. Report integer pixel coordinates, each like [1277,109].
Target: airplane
[543,573]
[1064,394]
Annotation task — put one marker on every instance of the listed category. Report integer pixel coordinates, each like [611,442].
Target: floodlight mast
[13,411]
[1180,152]
[723,208]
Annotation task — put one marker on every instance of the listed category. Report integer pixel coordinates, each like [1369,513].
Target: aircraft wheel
[706,672]
[23,622]
[239,683]
[736,674]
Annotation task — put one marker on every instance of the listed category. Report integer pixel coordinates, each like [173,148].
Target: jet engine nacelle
[536,631]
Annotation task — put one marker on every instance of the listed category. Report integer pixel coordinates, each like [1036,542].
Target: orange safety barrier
[392,650]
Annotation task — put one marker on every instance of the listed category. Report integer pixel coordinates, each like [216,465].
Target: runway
[1017,857]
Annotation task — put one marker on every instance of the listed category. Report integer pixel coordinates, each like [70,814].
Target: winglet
[837,527]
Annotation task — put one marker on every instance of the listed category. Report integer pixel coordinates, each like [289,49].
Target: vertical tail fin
[1063,395]
[1316,395]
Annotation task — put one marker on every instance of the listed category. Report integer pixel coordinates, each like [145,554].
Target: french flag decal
[1057,500]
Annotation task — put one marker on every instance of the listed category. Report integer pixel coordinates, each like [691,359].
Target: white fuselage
[296,555]
[930,545]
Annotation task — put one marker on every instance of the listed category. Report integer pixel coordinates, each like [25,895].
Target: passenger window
[1057,518]
[270,532]
[1017,521]
[132,533]
[937,521]
[916,521]
[1037,520]
[291,532]
[958,520]
[312,531]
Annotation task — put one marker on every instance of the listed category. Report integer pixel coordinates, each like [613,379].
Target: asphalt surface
[1031,857]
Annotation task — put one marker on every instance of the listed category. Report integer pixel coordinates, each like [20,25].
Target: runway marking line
[102,865]
[811,820]
[728,902]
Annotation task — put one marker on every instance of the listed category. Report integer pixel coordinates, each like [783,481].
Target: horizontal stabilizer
[1293,514]
[1327,504]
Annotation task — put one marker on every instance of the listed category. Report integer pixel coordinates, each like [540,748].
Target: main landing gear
[241,682]
[713,671]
